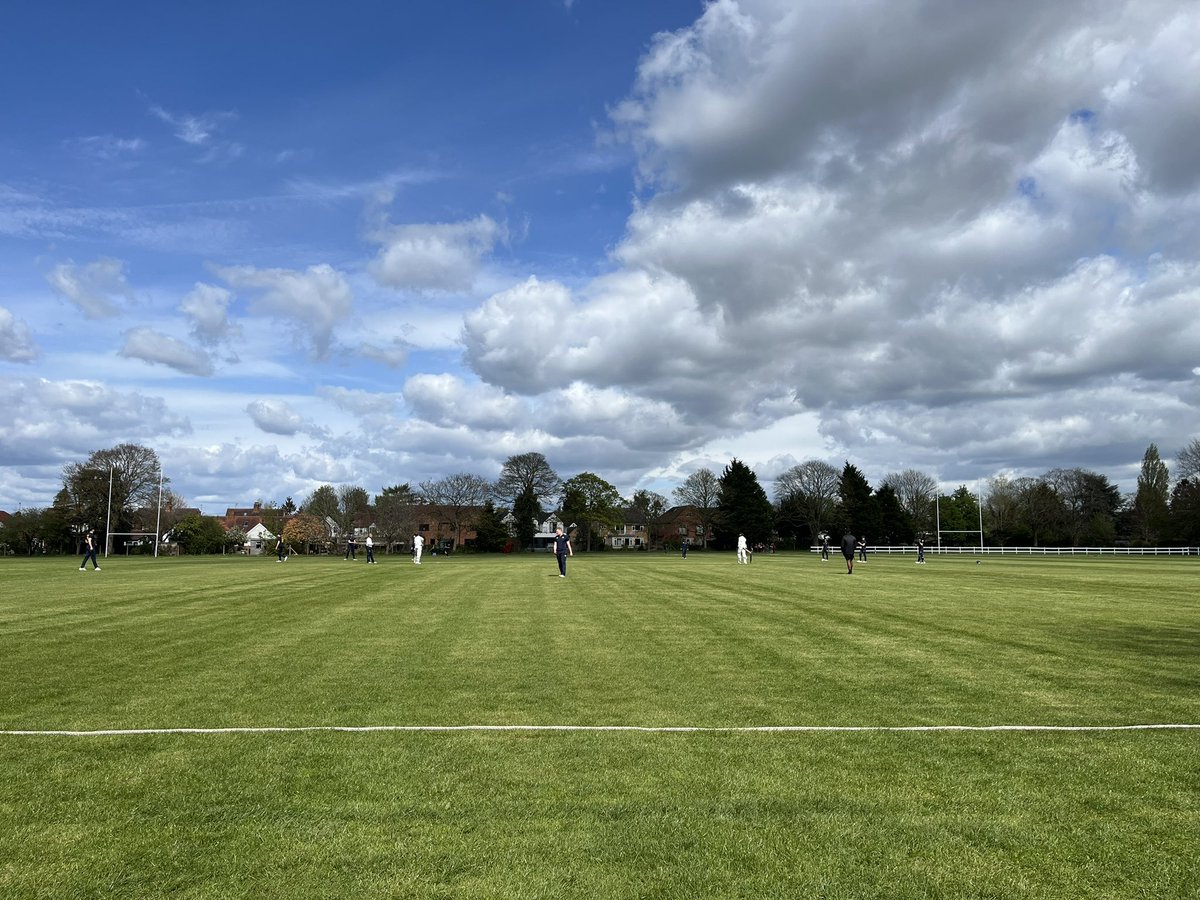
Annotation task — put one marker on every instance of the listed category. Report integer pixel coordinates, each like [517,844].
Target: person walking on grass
[418,546]
[743,550]
[848,552]
[562,549]
[89,552]
[370,550]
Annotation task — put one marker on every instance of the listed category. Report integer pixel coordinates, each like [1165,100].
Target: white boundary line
[645,729]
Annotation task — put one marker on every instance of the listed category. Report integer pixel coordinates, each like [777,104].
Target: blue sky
[382,243]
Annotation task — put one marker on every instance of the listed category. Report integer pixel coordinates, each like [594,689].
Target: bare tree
[1091,502]
[1002,508]
[132,471]
[1187,462]
[323,503]
[528,473]
[650,505]
[916,492]
[701,489]
[396,513]
[458,497]
[812,488]
[352,502]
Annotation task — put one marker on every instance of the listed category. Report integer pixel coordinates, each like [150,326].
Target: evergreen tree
[528,513]
[893,525]
[490,532]
[1151,503]
[855,493]
[743,507]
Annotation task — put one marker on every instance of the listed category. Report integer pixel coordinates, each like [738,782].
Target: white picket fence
[1031,551]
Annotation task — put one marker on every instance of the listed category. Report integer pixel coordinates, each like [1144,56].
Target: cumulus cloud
[315,299]
[207,308]
[965,242]
[66,419]
[275,417]
[154,347]
[635,331]
[95,288]
[450,401]
[434,257]
[16,343]
[980,216]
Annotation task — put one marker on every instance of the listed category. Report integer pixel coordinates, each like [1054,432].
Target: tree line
[1063,507]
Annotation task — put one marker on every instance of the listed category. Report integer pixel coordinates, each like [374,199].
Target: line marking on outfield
[645,729]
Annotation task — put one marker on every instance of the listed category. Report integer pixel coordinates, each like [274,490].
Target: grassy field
[627,640]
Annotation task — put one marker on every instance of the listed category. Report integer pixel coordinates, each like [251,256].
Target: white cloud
[275,417]
[191,129]
[94,288]
[965,242]
[447,400]
[434,257]
[107,146]
[362,403]
[16,343]
[964,220]
[154,347]
[315,299]
[207,306]
[60,420]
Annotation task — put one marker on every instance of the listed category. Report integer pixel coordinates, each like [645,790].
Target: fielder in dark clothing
[848,552]
[89,552]
[562,549]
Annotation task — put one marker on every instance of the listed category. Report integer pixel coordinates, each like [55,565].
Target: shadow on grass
[1157,641]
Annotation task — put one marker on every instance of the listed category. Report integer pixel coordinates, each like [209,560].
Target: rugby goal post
[108,535]
[113,534]
[937,506]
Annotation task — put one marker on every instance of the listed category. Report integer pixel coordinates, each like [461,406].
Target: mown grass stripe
[647,729]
